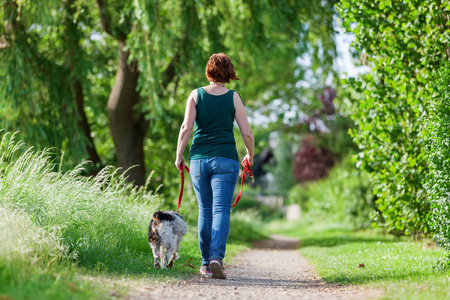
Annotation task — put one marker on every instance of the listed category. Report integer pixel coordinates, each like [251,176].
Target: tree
[437,136]
[39,84]
[162,48]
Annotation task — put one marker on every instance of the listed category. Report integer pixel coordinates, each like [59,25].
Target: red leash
[249,171]
[246,169]
[182,187]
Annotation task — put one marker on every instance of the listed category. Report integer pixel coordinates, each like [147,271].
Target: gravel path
[273,270]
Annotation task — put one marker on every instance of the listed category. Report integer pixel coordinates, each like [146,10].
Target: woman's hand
[179,163]
[249,158]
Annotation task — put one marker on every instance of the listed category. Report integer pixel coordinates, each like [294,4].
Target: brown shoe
[217,269]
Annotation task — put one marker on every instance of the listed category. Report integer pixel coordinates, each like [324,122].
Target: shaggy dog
[165,232]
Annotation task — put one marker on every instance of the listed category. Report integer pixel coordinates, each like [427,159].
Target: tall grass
[33,263]
[99,219]
[21,240]
[54,225]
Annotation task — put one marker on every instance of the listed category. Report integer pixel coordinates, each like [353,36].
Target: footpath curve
[274,269]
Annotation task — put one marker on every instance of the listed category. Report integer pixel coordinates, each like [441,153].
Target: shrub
[251,205]
[438,155]
[404,41]
[344,196]
[245,226]
[312,162]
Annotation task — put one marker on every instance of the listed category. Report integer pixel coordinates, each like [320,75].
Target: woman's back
[213,136]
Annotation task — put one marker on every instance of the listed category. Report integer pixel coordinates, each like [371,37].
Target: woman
[213,158]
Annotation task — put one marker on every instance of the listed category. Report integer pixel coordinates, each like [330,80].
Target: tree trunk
[83,123]
[127,123]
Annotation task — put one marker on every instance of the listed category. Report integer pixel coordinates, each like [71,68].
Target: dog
[165,232]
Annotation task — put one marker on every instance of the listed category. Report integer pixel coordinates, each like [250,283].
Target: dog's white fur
[165,232]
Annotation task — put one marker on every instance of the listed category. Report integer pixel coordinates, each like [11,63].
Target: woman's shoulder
[237,98]
[236,95]
[194,95]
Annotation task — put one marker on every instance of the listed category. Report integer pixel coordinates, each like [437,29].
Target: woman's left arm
[186,129]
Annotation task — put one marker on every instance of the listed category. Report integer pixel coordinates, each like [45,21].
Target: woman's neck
[217,83]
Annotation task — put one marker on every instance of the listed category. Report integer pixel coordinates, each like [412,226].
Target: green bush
[438,155]
[344,196]
[250,204]
[404,42]
[245,226]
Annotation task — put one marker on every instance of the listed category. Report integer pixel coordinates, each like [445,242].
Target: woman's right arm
[246,132]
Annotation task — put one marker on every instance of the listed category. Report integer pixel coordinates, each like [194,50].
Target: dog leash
[249,171]
[182,187]
[246,169]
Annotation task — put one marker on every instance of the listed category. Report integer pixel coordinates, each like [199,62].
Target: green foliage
[338,141]
[438,158]
[282,170]
[245,226]
[54,44]
[310,140]
[42,59]
[264,212]
[345,195]
[404,41]
[264,53]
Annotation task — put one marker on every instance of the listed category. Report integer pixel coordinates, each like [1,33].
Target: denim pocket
[195,168]
[226,165]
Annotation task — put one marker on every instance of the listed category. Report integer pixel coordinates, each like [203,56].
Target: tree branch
[169,73]
[104,17]
[74,79]
[18,34]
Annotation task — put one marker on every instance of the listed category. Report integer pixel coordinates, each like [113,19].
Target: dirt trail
[273,270]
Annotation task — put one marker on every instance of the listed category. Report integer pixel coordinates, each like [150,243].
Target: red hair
[220,69]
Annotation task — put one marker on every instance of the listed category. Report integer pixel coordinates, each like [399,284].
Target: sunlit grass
[368,257]
[34,264]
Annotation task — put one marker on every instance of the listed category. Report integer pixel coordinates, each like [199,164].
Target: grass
[66,236]
[403,268]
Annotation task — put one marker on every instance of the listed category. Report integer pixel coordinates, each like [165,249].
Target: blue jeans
[214,180]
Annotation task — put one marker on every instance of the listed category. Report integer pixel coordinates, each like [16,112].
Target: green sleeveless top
[213,135]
